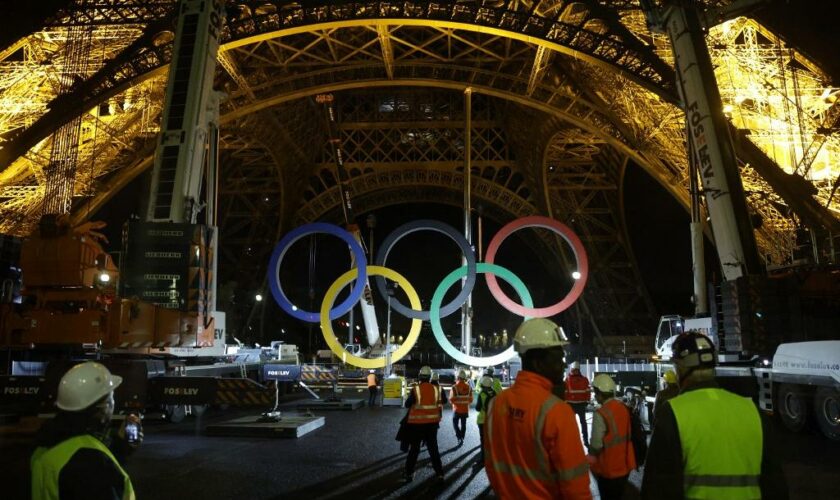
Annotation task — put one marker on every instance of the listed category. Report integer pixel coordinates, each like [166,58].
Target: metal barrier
[314,374]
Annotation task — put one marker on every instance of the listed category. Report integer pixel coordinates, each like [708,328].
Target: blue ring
[280,251]
[427,225]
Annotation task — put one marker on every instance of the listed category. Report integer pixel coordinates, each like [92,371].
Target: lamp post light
[391,288]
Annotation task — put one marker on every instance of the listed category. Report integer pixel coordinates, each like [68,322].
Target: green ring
[437,299]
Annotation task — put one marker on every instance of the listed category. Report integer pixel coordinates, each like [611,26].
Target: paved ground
[353,456]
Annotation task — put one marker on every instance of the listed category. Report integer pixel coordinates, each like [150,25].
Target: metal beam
[384,33]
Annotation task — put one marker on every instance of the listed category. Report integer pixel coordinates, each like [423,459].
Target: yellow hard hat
[604,383]
[538,333]
[670,377]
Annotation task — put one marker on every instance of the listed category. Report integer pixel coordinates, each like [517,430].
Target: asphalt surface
[353,456]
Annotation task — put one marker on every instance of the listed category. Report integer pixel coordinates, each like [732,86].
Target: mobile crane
[792,315]
[153,320]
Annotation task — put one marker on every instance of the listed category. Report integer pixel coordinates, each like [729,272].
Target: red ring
[568,235]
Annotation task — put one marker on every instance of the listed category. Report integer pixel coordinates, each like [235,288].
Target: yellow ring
[329,334]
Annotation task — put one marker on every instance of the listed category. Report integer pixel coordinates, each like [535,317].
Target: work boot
[408,477]
[439,476]
[460,442]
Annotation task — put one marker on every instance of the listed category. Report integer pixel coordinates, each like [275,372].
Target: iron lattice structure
[596,85]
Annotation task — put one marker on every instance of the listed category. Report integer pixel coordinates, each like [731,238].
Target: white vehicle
[801,382]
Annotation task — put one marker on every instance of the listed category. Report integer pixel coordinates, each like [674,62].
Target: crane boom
[368,310]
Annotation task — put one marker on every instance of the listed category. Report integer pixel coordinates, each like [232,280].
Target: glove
[123,435]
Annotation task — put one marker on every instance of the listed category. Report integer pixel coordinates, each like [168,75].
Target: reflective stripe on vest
[461,397]
[48,462]
[422,412]
[577,389]
[543,472]
[721,438]
[617,457]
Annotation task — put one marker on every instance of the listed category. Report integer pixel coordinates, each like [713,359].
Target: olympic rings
[326,310]
[435,312]
[440,227]
[434,307]
[558,228]
[280,251]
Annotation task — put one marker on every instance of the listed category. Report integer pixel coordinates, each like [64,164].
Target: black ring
[430,225]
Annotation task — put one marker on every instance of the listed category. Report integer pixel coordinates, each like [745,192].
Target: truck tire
[175,413]
[792,405]
[827,412]
[198,410]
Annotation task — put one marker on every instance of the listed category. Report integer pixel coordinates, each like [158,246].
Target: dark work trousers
[459,423]
[580,411]
[613,488]
[481,437]
[423,433]
[372,398]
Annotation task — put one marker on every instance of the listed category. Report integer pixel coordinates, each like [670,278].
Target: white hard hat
[489,370]
[425,371]
[603,383]
[435,375]
[373,371]
[462,374]
[486,381]
[538,333]
[85,384]
[575,365]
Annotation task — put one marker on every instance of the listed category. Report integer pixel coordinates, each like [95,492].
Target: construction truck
[151,319]
[778,341]
[777,332]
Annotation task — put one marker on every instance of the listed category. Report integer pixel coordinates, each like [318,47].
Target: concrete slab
[289,426]
[324,404]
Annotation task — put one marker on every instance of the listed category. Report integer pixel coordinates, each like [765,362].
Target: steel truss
[591,69]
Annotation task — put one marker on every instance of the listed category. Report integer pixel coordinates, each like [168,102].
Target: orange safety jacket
[461,397]
[577,388]
[533,448]
[617,458]
[371,380]
[426,408]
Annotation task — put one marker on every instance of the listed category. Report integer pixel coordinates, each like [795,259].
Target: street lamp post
[391,289]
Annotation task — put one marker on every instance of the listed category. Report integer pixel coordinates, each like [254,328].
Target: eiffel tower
[569,96]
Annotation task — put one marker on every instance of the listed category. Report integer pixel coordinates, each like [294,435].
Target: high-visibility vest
[617,458]
[497,385]
[371,380]
[533,448]
[47,463]
[461,397]
[484,397]
[426,408]
[721,439]
[577,389]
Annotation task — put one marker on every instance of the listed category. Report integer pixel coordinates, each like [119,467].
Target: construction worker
[460,397]
[424,403]
[533,447]
[669,391]
[578,395]
[482,404]
[709,442]
[497,384]
[611,452]
[372,390]
[73,458]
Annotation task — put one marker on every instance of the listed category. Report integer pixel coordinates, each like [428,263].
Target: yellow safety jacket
[47,464]
[721,439]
